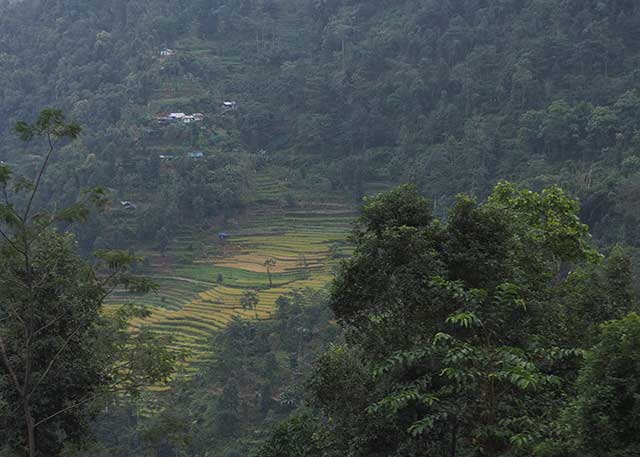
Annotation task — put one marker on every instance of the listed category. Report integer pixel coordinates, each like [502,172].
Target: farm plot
[272,252]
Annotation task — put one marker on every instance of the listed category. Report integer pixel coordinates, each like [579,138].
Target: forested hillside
[344,95]
[229,147]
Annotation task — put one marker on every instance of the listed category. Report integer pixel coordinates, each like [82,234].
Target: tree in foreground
[608,404]
[60,351]
[604,418]
[458,334]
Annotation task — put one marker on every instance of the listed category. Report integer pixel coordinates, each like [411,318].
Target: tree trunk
[454,438]
[31,429]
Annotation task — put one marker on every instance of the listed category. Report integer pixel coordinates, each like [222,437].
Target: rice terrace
[272,251]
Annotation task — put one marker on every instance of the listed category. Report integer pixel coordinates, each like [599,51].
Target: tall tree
[269,264]
[58,351]
[456,332]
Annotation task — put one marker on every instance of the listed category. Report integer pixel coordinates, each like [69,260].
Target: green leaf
[50,122]
[23,185]
[24,130]
[5,174]
[466,319]
[423,425]
[98,197]
[8,215]
[397,401]
[441,338]
[117,259]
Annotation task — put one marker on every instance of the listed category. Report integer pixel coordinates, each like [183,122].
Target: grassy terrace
[202,279]
[196,298]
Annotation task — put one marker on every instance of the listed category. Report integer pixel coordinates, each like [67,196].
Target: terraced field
[271,249]
[197,298]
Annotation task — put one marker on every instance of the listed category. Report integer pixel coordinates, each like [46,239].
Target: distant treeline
[450,95]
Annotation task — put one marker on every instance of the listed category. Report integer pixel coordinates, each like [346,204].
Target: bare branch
[50,323]
[39,178]
[6,195]
[55,358]
[8,240]
[87,400]
[69,408]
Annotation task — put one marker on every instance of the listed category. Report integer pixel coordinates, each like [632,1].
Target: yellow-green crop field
[199,296]
[201,279]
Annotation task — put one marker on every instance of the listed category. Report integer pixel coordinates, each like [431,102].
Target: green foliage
[346,95]
[51,124]
[550,220]
[351,97]
[399,207]
[605,413]
[458,336]
[59,352]
[297,437]
[236,398]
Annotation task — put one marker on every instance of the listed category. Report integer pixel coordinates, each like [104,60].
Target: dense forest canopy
[468,338]
[451,95]
[475,316]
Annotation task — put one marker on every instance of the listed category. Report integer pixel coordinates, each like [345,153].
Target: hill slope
[345,95]
[198,297]
[326,101]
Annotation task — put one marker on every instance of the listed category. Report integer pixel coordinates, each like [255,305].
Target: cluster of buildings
[184,118]
[169,118]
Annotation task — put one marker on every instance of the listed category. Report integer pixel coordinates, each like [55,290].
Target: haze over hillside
[349,96]
[229,144]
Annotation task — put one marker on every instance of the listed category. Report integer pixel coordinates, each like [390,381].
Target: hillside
[203,279]
[332,100]
[237,138]
[343,95]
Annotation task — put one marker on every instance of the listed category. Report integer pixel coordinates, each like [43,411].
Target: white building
[229,104]
[126,204]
